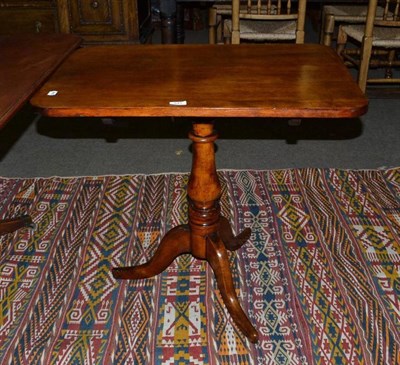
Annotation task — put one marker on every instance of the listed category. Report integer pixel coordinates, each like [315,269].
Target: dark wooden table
[25,63]
[203,82]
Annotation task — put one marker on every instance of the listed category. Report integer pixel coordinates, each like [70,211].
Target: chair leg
[219,29]
[390,60]
[212,25]
[341,41]
[300,36]
[227,35]
[366,50]
[235,37]
[329,28]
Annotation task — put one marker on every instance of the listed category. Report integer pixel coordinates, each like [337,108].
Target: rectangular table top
[25,63]
[247,80]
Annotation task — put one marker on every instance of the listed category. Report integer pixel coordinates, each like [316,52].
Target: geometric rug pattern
[319,277]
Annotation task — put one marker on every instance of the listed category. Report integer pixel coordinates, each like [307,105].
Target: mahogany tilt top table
[204,82]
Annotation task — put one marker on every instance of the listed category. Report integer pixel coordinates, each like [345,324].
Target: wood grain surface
[265,80]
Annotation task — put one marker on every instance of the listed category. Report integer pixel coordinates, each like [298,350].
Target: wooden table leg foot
[176,242]
[217,257]
[231,241]
[12,224]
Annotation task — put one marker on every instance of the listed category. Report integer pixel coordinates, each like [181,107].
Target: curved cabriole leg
[231,241]
[217,257]
[12,224]
[175,243]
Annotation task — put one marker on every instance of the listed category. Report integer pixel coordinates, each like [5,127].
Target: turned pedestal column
[207,236]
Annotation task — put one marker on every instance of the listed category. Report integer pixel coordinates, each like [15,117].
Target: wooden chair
[217,13]
[333,14]
[266,21]
[378,43]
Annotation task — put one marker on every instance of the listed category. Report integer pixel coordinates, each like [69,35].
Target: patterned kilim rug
[319,277]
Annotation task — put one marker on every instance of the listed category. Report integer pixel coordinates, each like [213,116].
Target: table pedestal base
[208,235]
[12,224]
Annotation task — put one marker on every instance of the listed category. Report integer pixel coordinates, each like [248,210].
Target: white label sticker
[52,93]
[180,102]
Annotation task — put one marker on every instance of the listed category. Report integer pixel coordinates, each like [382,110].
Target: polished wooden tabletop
[291,80]
[25,63]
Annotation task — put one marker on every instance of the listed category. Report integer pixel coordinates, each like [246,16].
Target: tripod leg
[218,259]
[174,243]
[230,241]
[11,225]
